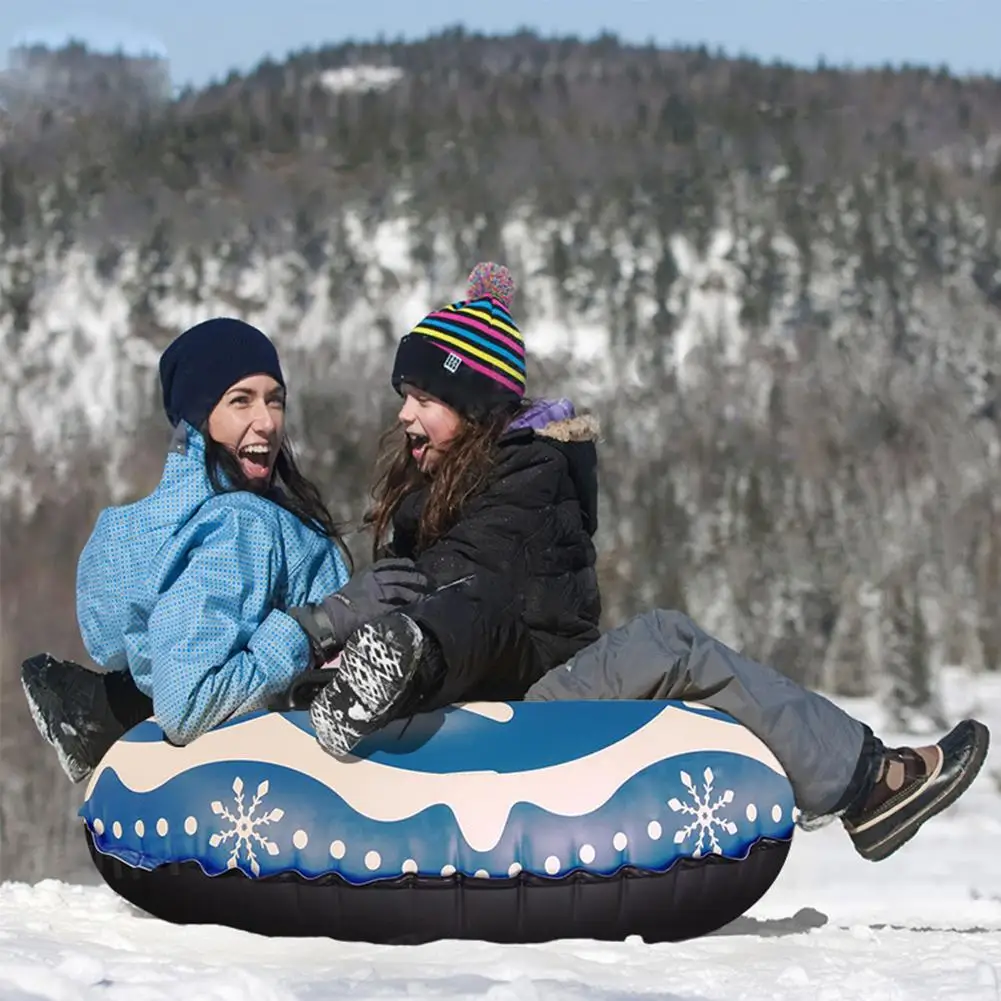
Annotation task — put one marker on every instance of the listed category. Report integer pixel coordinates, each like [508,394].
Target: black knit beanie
[469,354]
[203,362]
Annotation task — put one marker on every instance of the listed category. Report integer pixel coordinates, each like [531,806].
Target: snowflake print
[244,826]
[704,813]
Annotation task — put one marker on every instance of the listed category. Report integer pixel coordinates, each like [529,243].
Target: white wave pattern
[480,800]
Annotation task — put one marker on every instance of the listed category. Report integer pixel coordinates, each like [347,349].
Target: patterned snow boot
[304,688]
[913,785]
[372,680]
[80,712]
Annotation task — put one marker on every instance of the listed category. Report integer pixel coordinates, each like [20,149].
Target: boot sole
[898,838]
[374,669]
[39,700]
[301,693]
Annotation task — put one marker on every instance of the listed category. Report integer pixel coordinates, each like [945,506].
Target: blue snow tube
[509,822]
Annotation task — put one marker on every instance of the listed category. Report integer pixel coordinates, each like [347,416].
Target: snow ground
[925,924]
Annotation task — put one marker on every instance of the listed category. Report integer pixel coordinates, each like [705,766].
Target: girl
[495,499]
[508,518]
[180,596]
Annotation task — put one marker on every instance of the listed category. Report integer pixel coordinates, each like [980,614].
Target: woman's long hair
[289,489]
[460,473]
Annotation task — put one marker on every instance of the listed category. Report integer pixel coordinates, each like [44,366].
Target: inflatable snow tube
[504,822]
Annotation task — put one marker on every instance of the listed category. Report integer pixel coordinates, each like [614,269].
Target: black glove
[384,586]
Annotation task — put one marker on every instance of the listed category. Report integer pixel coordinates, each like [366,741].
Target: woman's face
[249,420]
[430,426]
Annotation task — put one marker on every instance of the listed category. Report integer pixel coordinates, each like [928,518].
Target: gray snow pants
[826,753]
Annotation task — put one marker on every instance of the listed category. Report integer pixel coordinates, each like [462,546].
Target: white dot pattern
[209,572]
[373,860]
[586,853]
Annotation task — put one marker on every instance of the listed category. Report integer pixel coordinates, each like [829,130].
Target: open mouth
[255,459]
[418,444]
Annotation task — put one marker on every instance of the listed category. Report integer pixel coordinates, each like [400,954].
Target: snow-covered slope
[63,943]
[82,367]
[925,924]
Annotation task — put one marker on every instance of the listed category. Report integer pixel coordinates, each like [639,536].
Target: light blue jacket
[185,588]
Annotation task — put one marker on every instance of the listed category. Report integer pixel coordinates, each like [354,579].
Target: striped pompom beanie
[469,354]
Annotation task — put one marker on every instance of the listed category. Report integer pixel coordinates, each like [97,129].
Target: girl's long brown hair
[460,473]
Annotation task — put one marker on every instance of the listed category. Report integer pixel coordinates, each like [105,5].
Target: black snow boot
[912,785]
[80,712]
[373,682]
[304,689]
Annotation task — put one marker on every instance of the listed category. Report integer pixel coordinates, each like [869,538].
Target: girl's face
[430,425]
[249,420]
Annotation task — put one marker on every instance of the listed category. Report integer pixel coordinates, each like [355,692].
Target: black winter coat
[521,564]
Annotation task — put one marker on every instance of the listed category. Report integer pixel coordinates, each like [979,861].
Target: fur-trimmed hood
[557,419]
[583,427]
[557,423]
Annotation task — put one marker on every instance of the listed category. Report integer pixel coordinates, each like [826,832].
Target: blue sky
[204,39]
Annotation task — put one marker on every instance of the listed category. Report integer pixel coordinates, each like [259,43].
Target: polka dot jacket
[185,588]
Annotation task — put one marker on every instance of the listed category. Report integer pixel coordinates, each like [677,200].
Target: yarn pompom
[491,281]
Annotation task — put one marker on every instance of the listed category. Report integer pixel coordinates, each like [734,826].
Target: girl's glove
[385,585]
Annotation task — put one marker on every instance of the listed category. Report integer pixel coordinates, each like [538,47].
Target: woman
[181,596]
